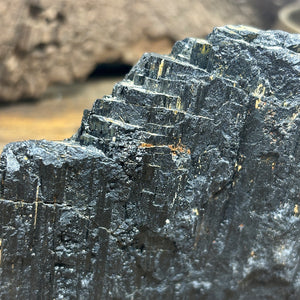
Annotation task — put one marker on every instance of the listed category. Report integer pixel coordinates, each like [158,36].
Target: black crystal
[182,184]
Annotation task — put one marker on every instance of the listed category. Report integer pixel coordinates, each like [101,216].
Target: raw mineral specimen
[182,184]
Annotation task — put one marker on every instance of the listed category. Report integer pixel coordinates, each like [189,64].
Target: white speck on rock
[12,164]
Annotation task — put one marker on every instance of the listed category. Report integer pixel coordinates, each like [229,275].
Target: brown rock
[45,41]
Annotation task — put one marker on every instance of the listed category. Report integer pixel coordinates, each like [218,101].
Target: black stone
[182,184]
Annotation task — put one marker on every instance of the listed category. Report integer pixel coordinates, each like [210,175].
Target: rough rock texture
[45,41]
[182,184]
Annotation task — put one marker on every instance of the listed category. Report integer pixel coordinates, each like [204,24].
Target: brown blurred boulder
[45,41]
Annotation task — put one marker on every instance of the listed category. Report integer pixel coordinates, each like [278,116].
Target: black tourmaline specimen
[182,184]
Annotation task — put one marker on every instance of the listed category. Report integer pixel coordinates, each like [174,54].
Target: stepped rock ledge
[184,183]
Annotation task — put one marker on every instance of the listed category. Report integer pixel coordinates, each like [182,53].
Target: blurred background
[57,57]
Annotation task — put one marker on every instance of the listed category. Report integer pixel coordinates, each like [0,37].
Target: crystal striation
[184,183]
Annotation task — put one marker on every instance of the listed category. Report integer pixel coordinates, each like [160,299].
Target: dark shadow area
[295,16]
[106,70]
[110,69]
[268,10]
[29,100]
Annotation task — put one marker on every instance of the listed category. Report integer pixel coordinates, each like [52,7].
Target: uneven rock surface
[45,41]
[182,184]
